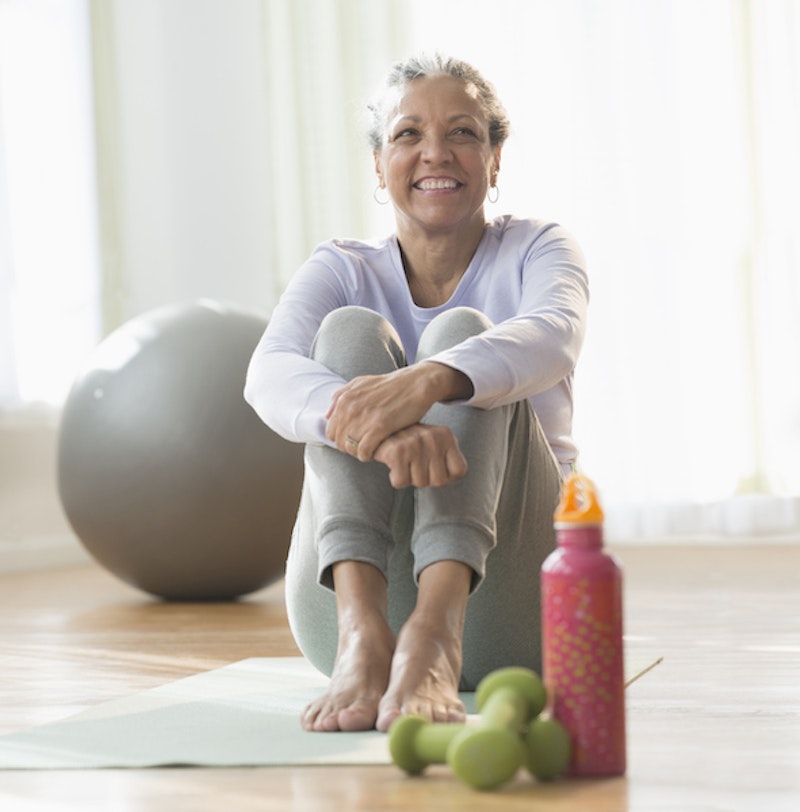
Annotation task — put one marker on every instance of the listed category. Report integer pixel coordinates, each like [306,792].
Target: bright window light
[49,258]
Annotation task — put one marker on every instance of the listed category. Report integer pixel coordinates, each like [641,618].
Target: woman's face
[436,160]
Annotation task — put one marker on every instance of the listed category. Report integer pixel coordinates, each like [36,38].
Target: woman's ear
[496,166]
[378,168]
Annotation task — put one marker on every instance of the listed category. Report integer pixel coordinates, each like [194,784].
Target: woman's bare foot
[426,667]
[424,679]
[364,655]
[358,682]
[375,680]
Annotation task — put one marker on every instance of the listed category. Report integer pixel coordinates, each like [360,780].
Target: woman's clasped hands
[378,417]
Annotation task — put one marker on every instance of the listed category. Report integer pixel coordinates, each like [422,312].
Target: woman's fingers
[371,408]
[422,456]
[456,463]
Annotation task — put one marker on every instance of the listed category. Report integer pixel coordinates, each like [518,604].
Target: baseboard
[41,553]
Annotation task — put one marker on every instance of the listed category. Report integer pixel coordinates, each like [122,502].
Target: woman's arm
[288,390]
[535,348]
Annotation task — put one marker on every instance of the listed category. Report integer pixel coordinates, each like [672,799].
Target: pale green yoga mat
[244,714]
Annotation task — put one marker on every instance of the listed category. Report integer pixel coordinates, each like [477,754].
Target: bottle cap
[579,503]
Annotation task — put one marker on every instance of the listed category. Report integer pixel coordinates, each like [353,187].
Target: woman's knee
[450,328]
[355,341]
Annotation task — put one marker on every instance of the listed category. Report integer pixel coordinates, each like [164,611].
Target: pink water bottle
[582,649]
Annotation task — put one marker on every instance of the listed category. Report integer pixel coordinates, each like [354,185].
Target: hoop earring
[376,195]
[493,198]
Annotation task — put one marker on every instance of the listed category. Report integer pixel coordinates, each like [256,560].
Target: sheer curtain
[324,60]
[230,140]
[770,37]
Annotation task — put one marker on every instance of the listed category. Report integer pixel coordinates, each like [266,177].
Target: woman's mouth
[437,184]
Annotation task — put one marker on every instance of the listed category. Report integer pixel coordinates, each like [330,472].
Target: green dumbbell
[547,748]
[489,753]
[414,742]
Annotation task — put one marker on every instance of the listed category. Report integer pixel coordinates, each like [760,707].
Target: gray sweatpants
[498,519]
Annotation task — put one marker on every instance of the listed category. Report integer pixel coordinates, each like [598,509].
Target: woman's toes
[357,717]
[386,717]
[456,713]
[309,717]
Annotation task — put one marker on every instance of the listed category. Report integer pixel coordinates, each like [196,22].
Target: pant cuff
[342,539]
[467,543]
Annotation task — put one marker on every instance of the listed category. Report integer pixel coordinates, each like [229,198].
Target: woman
[430,376]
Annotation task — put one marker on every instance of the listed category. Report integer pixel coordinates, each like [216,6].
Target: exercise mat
[243,714]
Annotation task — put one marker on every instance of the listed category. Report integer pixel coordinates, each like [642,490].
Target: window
[49,275]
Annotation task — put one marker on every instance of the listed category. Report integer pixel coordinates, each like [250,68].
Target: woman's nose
[435,149]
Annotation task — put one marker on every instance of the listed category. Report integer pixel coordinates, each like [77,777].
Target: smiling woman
[430,378]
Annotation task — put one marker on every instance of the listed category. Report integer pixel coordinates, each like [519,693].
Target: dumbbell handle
[432,741]
[505,708]
[489,753]
[414,743]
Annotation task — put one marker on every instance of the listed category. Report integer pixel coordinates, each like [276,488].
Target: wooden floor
[715,727]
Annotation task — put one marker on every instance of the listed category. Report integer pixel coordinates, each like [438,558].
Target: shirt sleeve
[288,390]
[532,351]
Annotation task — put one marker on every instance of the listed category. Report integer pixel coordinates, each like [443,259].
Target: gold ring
[351,441]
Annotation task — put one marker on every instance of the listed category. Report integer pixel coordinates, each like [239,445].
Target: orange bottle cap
[579,503]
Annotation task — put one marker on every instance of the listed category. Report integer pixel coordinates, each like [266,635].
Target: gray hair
[432,65]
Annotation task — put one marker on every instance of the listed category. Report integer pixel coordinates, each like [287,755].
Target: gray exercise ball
[165,473]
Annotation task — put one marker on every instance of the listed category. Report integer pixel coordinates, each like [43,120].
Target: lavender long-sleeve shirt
[527,276]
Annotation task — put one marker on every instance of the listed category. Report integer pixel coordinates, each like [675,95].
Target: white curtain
[663,134]
[323,61]
[770,34]
[229,140]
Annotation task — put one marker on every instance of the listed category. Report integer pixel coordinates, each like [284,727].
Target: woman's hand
[423,456]
[371,408]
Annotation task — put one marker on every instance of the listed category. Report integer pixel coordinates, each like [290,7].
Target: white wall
[34,532]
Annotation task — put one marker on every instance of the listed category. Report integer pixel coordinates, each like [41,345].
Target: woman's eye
[404,134]
[412,135]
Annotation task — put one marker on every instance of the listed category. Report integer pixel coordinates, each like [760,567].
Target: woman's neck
[434,264]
